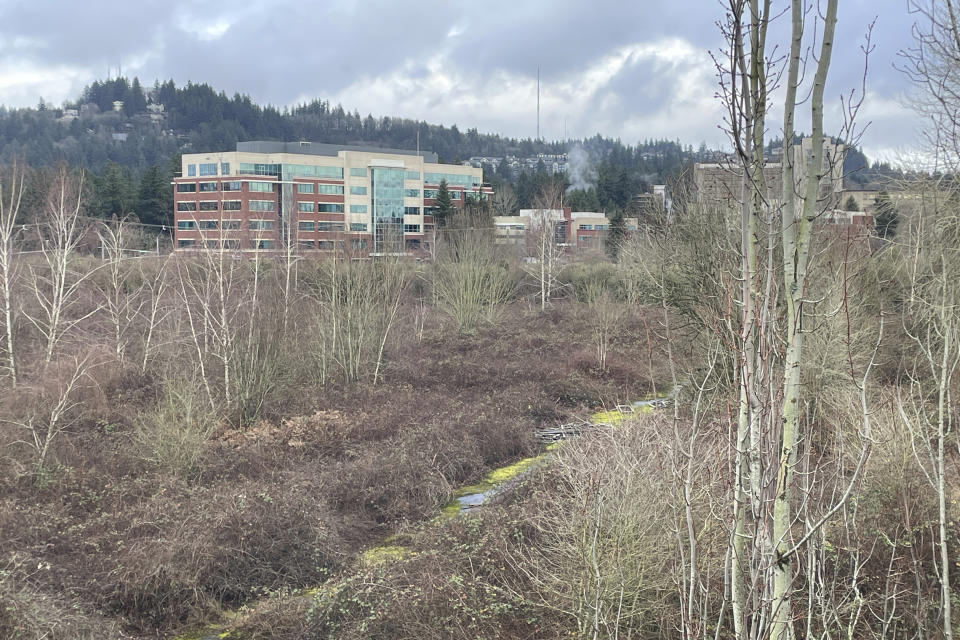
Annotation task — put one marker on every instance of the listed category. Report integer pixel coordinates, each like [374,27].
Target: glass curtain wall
[387,214]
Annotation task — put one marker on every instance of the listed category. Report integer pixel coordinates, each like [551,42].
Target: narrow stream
[470,497]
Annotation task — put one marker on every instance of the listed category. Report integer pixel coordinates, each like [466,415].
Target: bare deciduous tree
[542,247]
[57,284]
[121,287]
[50,414]
[11,195]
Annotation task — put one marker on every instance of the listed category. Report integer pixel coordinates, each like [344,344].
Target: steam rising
[580,170]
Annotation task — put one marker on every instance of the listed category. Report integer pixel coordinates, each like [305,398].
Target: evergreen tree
[134,100]
[444,205]
[885,215]
[851,204]
[155,197]
[616,235]
[113,192]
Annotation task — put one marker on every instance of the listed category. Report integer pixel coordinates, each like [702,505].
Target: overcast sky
[630,69]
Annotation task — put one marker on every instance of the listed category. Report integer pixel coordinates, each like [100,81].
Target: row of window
[312,171]
[226,225]
[432,193]
[266,205]
[457,179]
[323,189]
[208,169]
[309,171]
[232,185]
[357,244]
[270,225]
[309,225]
[594,227]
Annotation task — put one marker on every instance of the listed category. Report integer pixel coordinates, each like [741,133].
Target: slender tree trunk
[943,431]
[796,247]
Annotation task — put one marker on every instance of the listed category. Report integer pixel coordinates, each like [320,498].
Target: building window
[207,225]
[455,195]
[260,169]
[413,244]
[358,173]
[186,206]
[330,189]
[303,187]
[358,244]
[233,185]
[306,244]
[411,211]
[305,225]
[191,170]
[411,193]
[305,207]
[260,225]
[358,191]
[231,205]
[224,168]
[325,245]
[208,186]
[329,226]
[411,228]
[263,205]
[230,225]
[601,227]
[209,205]
[411,175]
[262,187]
[586,227]
[308,171]
[230,243]
[185,244]
[358,208]
[358,226]
[208,169]
[261,244]
[329,208]
[186,225]
[452,179]
[429,193]
[187,187]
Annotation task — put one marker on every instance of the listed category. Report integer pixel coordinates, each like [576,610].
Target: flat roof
[324,149]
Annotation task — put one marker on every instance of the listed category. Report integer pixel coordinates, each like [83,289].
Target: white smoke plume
[580,170]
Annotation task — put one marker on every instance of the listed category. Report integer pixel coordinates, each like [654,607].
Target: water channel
[470,497]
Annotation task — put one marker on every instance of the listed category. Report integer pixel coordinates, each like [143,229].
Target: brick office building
[318,197]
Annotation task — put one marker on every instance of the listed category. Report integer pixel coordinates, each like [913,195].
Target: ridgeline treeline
[132,149]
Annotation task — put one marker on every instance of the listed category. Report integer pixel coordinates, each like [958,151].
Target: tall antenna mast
[538,102]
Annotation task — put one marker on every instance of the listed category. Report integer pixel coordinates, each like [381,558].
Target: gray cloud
[634,70]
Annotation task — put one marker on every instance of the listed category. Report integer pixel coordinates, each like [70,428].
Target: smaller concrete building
[581,230]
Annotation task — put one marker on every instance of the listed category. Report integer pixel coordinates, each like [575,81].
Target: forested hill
[89,132]
[129,138]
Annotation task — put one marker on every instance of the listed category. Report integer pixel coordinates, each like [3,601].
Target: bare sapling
[11,195]
[119,284]
[51,412]
[57,282]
